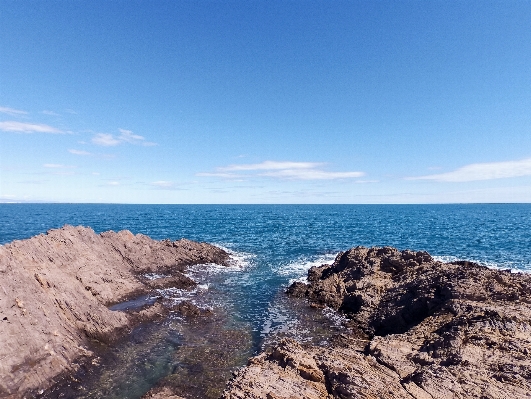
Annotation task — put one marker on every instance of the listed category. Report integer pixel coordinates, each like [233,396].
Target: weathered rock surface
[420,329]
[161,393]
[55,289]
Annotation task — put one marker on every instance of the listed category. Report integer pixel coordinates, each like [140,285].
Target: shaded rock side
[435,330]
[55,289]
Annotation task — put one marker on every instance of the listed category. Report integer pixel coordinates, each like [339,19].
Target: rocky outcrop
[55,290]
[161,393]
[419,329]
[290,371]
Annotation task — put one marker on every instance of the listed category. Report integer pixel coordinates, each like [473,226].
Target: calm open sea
[275,244]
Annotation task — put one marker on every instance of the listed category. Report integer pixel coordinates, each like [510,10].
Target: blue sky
[265,101]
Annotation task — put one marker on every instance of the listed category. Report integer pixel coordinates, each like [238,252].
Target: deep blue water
[278,243]
[282,241]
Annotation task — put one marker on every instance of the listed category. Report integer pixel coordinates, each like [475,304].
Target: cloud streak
[271,165]
[12,112]
[56,166]
[311,174]
[21,127]
[50,113]
[105,140]
[281,170]
[220,174]
[482,171]
[164,185]
[125,136]
[79,152]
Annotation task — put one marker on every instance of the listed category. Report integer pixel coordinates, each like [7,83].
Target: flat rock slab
[55,290]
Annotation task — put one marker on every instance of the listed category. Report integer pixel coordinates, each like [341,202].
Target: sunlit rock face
[418,328]
[55,290]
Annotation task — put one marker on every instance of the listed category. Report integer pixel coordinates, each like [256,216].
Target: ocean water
[273,245]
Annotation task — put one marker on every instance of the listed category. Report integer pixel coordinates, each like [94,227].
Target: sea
[271,246]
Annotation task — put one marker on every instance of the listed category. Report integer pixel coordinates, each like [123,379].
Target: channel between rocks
[116,315]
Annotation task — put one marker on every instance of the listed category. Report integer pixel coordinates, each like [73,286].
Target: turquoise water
[275,244]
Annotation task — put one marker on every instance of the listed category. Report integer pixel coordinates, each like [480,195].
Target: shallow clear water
[275,244]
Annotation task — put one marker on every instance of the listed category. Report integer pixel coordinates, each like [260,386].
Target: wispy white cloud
[164,185]
[483,171]
[311,174]
[35,181]
[49,113]
[271,165]
[105,140]
[220,174]
[57,166]
[21,127]
[64,173]
[125,136]
[282,170]
[53,165]
[79,152]
[129,137]
[12,111]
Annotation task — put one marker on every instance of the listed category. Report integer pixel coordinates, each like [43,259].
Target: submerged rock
[420,328]
[55,290]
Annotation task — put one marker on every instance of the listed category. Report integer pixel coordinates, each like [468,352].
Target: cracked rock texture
[55,289]
[419,329]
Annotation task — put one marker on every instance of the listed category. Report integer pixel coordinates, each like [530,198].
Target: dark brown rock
[177,280]
[188,309]
[436,330]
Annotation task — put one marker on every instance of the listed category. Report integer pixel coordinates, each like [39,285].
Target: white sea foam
[234,272]
[243,280]
[335,317]
[297,269]
[177,295]
[154,276]
[490,265]
[446,258]
[278,321]
[204,268]
[238,259]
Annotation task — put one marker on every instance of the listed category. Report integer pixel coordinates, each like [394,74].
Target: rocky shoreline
[414,327]
[419,328]
[56,289]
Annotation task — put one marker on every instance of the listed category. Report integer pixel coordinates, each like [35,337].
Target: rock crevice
[435,330]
